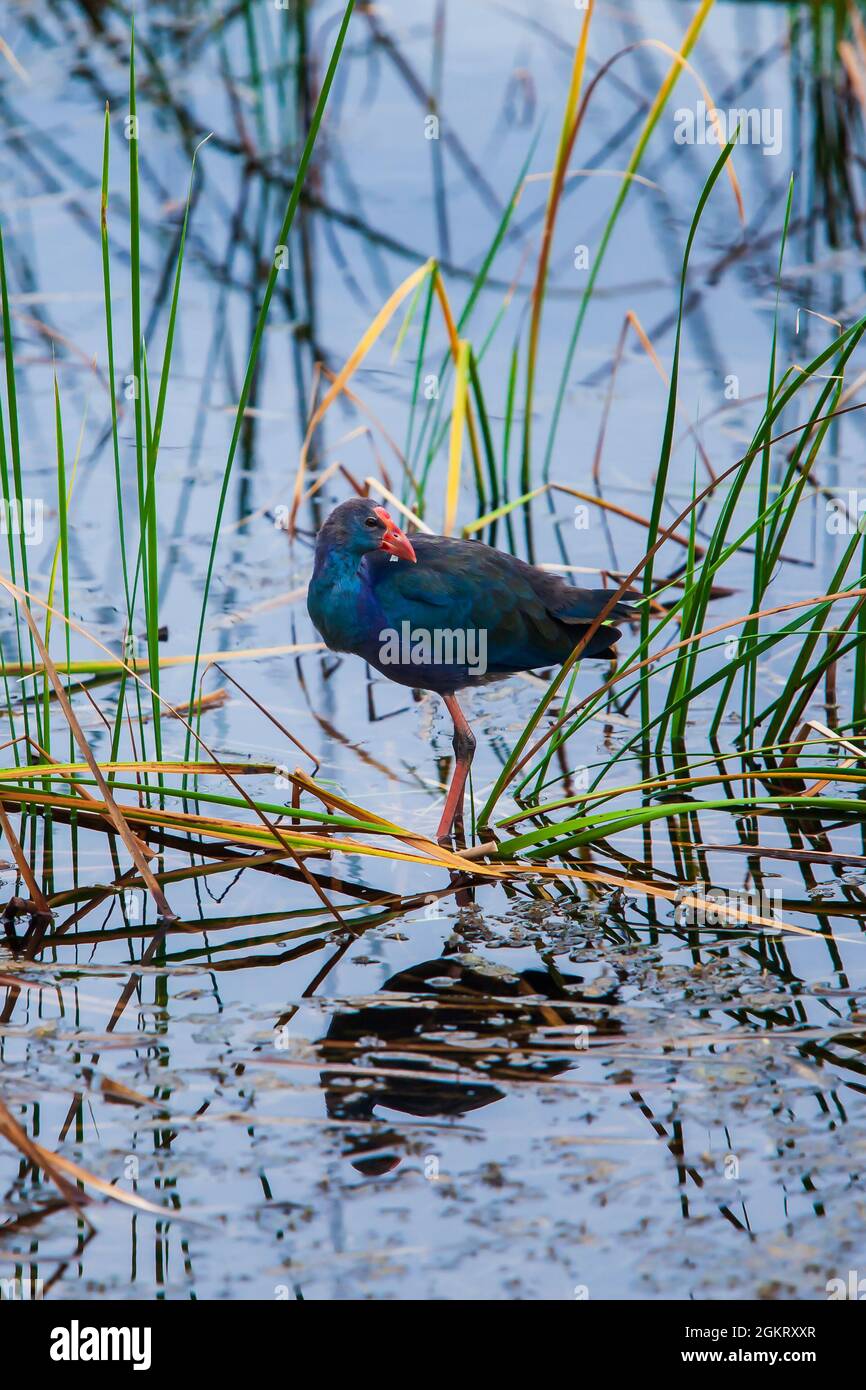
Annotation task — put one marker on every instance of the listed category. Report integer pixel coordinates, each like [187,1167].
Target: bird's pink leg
[464,749]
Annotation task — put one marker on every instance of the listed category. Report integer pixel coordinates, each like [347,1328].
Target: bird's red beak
[394,540]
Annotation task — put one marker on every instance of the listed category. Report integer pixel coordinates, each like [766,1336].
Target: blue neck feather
[341,599]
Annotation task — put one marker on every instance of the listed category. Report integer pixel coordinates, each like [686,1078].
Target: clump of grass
[661,676]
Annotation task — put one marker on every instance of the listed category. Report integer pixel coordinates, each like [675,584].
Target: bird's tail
[586,605]
[582,605]
[602,644]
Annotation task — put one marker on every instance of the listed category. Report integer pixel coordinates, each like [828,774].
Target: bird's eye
[371,521]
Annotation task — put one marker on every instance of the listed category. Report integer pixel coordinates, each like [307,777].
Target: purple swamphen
[441,614]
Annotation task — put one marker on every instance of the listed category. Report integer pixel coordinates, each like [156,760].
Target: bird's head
[360,526]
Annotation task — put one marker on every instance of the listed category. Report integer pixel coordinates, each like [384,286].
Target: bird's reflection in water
[457,1017]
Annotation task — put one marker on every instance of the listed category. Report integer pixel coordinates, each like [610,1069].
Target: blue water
[571,1098]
